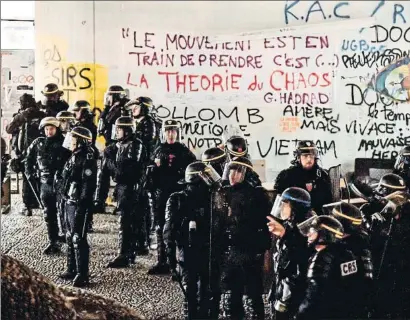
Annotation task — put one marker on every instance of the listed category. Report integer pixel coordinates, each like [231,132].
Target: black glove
[16,165]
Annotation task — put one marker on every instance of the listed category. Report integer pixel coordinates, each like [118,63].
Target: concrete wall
[331,56]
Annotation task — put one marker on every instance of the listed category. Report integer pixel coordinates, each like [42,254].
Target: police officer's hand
[275,227]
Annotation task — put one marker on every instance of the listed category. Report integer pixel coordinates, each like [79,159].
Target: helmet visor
[70,141]
[210,176]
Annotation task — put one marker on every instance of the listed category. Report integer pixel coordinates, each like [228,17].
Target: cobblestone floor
[157,297]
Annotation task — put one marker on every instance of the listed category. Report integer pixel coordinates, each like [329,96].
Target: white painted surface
[103,32]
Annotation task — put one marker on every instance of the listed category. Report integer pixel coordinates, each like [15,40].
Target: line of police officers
[214,221]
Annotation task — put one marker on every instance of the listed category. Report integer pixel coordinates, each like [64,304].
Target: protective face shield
[70,141]
[235,172]
[121,132]
[210,176]
[402,165]
[50,99]
[66,125]
[321,230]
[281,209]
[232,131]
[112,97]
[396,201]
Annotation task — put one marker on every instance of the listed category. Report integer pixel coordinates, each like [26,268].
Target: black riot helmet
[348,215]
[81,109]
[51,93]
[127,124]
[293,204]
[322,230]
[236,147]
[78,137]
[216,157]
[139,107]
[67,120]
[199,173]
[243,168]
[114,94]
[171,131]
[193,172]
[305,147]
[27,101]
[402,165]
[390,183]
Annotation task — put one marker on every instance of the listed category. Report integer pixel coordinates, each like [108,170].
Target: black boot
[71,271]
[82,257]
[162,266]
[122,260]
[52,248]
[90,222]
[52,233]
[26,212]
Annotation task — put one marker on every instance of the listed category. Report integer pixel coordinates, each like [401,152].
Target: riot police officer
[67,120]
[332,277]
[387,213]
[53,104]
[5,158]
[78,183]
[402,165]
[216,157]
[246,240]
[48,156]
[357,240]
[114,101]
[306,173]
[291,255]
[187,225]
[388,184]
[85,118]
[146,130]
[25,125]
[170,161]
[124,162]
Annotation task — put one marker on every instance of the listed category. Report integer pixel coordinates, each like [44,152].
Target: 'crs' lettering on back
[348,268]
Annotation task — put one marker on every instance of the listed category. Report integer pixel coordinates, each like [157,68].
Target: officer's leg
[82,257]
[124,210]
[90,224]
[215,291]
[232,287]
[61,220]
[71,270]
[254,287]
[162,266]
[28,199]
[50,217]
[203,285]
[152,203]
[140,227]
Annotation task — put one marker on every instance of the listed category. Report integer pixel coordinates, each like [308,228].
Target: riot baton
[34,190]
